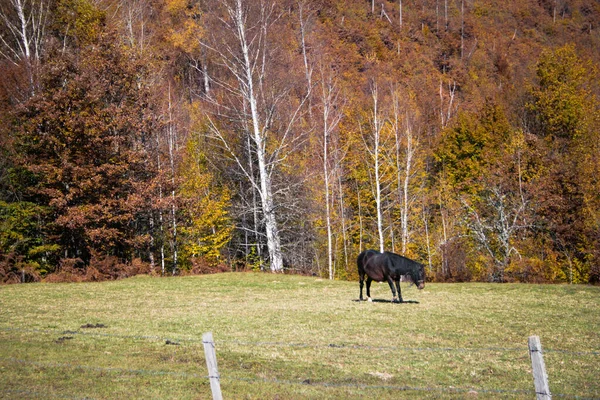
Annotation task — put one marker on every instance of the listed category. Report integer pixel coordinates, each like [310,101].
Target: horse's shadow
[387,301]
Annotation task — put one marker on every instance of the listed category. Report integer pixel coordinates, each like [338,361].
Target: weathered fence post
[540,378]
[211,364]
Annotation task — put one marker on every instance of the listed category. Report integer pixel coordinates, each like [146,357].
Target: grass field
[282,336]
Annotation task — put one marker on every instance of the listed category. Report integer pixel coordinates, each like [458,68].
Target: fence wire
[333,346]
[175,340]
[30,394]
[103,369]
[306,382]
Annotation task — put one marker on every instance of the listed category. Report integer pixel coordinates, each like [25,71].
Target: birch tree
[172,143]
[331,114]
[494,223]
[305,16]
[25,22]
[406,145]
[253,98]
[21,40]
[400,12]
[374,148]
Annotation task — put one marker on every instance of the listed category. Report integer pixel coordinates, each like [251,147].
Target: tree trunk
[377,126]
[266,193]
[172,141]
[343,218]
[360,223]
[400,12]
[405,200]
[326,188]
[331,116]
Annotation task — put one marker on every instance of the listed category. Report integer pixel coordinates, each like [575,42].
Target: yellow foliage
[185,30]
[208,227]
[176,6]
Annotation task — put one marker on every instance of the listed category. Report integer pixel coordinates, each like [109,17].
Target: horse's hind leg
[361,283]
[369,280]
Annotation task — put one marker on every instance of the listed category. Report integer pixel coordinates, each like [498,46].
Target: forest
[192,136]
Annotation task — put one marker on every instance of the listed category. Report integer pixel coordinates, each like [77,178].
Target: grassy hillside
[281,336]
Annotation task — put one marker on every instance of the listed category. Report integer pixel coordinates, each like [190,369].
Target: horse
[388,266]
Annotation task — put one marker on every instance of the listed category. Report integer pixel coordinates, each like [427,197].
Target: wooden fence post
[211,364]
[540,378]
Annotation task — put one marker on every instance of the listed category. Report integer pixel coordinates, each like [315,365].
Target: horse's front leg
[391,283]
[397,281]
[369,280]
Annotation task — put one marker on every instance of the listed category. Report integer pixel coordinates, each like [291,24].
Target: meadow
[294,337]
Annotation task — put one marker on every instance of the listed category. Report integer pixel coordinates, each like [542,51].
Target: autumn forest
[192,136]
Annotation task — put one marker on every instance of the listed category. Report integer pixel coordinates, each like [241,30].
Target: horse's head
[418,275]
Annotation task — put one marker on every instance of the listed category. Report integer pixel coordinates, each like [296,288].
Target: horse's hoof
[370,300]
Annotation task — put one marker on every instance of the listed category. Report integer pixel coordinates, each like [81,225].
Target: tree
[485,175]
[22,39]
[255,99]
[559,105]
[493,223]
[406,145]
[83,139]
[374,147]
[461,155]
[564,114]
[331,112]
[23,235]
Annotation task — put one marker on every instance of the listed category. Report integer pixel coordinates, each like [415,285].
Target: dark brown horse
[389,267]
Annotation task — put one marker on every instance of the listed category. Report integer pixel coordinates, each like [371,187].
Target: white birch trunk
[400,11]
[343,218]
[257,241]
[428,242]
[403,172]
[205,78]
[266,194]
[160,211]
[326,187]
[437,15]
[307,69]
[331,118]
[446,15]
[172,139]
[360,223]
[151,245]
[377,126]
[23,33]
[407,173]
[462,28]
[27,28]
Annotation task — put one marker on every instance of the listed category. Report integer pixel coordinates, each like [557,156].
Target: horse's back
[400,263]
[363,258]
[372,263]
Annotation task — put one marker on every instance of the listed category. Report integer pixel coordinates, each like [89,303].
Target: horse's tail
[360,263]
